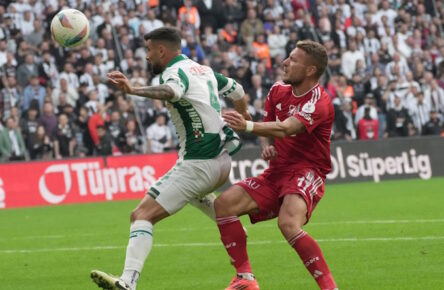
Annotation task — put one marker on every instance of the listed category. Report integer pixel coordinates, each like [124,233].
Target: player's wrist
[249,126]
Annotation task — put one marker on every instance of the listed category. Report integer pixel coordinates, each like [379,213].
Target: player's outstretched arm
[161,92]
[291,126]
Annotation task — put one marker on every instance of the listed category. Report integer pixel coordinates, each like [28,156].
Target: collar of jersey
[178,58]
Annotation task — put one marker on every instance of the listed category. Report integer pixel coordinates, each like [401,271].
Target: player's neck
[304,88]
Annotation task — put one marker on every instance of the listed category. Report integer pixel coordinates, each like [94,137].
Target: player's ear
[162,50]
[311,70]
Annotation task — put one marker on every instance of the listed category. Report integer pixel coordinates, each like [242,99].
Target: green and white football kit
[206,144]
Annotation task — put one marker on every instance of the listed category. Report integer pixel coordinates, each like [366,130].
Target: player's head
[163,44]
[306,62]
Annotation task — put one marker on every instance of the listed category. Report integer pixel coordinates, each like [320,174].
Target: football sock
[139,247]
[235,241]
[205,204]
[311,256]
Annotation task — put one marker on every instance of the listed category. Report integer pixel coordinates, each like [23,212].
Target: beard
[156,68]
[293,82]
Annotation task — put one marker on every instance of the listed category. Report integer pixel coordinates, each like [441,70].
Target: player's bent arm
[229,88]
[241,106]
[291,126]
[160,92]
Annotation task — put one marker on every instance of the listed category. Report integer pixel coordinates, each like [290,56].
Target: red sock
[235,241]
[311,256]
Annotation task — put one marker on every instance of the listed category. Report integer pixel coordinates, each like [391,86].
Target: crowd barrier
[26,184]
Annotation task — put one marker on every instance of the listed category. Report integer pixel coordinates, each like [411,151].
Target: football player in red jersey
[298,117]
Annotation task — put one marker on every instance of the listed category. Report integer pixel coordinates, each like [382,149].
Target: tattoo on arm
[160,92]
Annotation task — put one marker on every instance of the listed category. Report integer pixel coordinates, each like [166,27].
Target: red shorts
[269,189]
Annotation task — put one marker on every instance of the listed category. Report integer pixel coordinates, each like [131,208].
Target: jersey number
[214,99]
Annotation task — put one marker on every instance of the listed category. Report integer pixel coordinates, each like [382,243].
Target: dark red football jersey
[310,149]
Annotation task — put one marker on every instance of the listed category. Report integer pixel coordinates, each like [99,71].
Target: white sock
[248,276]
[139,247]
[205,204]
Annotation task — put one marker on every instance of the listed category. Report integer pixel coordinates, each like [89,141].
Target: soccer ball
[70,28]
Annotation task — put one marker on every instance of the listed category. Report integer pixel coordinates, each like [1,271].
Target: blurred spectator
[49,120]
[159,137]
[419,110]
[28,125]
[105,144]
[11,97]
[349,59]
[133,139]
[257,92]
[398,120]
[96,120]
[433,126]
[151,23]
[9,68]
[12,146]
[40,146]
[368,126]
[64,141]
[369,103]
[26,70]
[152,113]
[188,15]
[277,42]
[33,91]
[251,27]
[233,12]
[117,130]
[69,75]
[68,92]
[48,69]
[211,13]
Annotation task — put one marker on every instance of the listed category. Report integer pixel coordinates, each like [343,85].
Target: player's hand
[120,80]
[269,152]
[235,120]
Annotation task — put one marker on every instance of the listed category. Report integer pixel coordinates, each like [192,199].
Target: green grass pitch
[375,236]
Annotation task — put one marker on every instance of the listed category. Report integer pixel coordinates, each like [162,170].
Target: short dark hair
[166,35]
[317,54]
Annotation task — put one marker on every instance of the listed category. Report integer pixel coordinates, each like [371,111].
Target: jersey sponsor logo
[91,179]
[293,110]
[364,165]
[2,195]
[308,108]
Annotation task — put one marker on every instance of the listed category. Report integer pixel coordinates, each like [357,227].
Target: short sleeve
[177,80]
[269,115]
[228,87]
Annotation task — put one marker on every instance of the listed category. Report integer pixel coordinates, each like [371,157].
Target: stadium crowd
[385,72]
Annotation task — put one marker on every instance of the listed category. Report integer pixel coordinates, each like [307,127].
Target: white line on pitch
[189,229]
[252,243]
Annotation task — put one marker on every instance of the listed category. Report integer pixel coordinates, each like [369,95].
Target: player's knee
[224,207]
[140,214]
[288,226]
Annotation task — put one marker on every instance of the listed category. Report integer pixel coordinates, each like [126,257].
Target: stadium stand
[385,73]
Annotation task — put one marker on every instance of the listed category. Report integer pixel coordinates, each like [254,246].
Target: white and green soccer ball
[70,28]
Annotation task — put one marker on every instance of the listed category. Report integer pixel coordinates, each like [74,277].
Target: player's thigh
[148,209]
[292,214]
[235,201]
